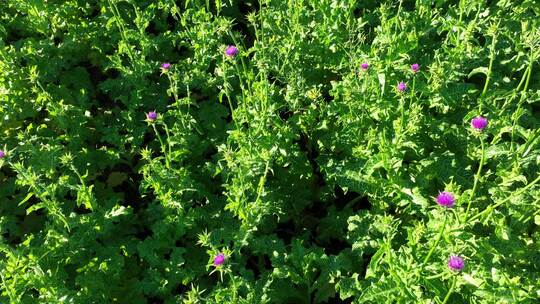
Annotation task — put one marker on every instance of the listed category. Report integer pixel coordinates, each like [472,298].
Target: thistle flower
[479,123]
[446,199]
[456,263]
[165,66]
[364,66]
[219,259]
[402,86]
[2,154]
[151,116]
[415,67]
[231,51]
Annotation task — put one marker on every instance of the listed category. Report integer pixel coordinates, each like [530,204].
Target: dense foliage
[272,151]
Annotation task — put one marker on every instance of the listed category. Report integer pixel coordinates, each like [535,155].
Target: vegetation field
[269,151]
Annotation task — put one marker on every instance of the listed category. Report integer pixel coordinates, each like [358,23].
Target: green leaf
[480,70]
[34,208]
[28,196]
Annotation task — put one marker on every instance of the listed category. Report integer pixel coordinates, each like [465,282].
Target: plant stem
[488,76]
[163,148]
[476,179]
[402,122]
[435,276]
[234,287]
[507,199]
[450,291]
[521,100]
[432,249]
[168,139]
[413,88]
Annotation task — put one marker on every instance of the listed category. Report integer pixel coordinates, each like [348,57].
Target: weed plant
[270,151]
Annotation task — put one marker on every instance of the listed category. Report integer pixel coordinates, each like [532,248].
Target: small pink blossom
[402,86]
[231,51]
[219,259]
[479,123]
[456,263]
[151,116]
[446,199]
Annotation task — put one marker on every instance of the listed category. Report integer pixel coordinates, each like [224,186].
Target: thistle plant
[456,263]
[231,51]
[401,87]
[479,123]
[446,199]
[151,116]
[269,151]
[364,66]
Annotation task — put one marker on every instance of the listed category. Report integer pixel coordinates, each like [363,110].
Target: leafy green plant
[269,151]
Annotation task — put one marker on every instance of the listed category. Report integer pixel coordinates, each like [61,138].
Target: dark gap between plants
[337,300]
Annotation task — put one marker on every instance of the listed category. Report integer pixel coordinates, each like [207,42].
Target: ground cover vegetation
[271,151]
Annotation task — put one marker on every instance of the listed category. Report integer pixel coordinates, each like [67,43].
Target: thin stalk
[397,23]
[168,139]
[173,89]
[413,90]
[526,148]
[528,218]
[232,109]
[402,110]
[244,68]
[524,77]
[121,28]
[235,292]
[226,91]
[364,89]
[450,291]
[432,249]
[435,276]
[260,188]
[242,86]
[163,149]
[488,76]
[476,179]
[517,89]
[518,110]
[458,35]
[507,199]
[402,119]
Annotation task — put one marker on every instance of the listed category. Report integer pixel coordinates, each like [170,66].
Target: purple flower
[446,199]
[165,65]
[456,263]
[402,86]
[2,154]
[364,66]
[479,123]
[415,67]
[151,116]
[219,259]
[231,51]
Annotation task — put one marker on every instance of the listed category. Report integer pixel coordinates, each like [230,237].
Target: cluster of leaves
[315,178]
